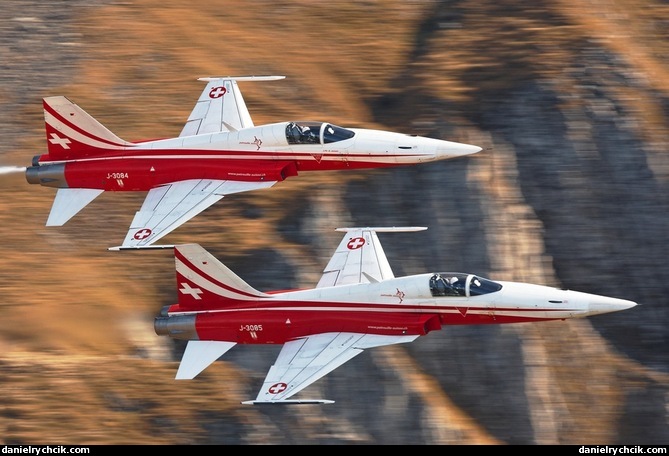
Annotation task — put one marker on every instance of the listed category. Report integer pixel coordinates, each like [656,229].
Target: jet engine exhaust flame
[12,169]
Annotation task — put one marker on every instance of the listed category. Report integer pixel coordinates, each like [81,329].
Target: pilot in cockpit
[293,133]
[309,136]
[301,134]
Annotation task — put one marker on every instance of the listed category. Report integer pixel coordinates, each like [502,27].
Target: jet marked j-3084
[218,152]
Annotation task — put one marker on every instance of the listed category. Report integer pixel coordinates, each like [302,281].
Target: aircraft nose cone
[453,149]
[602,305]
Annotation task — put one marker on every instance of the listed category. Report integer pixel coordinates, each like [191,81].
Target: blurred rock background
[570,101]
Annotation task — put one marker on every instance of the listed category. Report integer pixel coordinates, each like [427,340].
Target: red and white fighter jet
[219,152]
[357,304]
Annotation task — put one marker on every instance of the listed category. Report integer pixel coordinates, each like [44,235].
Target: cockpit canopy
[459,284]
[315,133]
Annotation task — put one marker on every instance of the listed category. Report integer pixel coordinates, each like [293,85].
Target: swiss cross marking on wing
[277,388]
[217,92]
[142,234]
[355,243]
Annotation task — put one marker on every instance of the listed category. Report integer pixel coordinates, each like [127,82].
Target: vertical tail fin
[204,283]
[73,133]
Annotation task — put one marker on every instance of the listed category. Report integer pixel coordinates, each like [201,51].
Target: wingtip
[141,247]
[242,78]
[384,229]
[289,402]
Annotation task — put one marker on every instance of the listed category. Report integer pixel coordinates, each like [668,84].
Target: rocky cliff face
[569,101]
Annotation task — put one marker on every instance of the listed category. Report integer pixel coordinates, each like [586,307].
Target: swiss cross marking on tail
[355,243]
[217,92]
[187,289]
[62,142]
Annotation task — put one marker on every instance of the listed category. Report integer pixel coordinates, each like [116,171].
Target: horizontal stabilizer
[290,402]
[199,354]
[68,202]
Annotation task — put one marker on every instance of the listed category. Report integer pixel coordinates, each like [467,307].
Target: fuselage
[263,153]
[413,305]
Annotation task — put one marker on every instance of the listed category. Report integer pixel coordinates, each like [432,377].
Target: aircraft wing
[169,206]
[303,361]
[360,258]
[221,106]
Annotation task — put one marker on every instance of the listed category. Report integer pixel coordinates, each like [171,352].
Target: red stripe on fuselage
[305,158]
[142,175]
[448,314]
[280,326]
[273,304]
